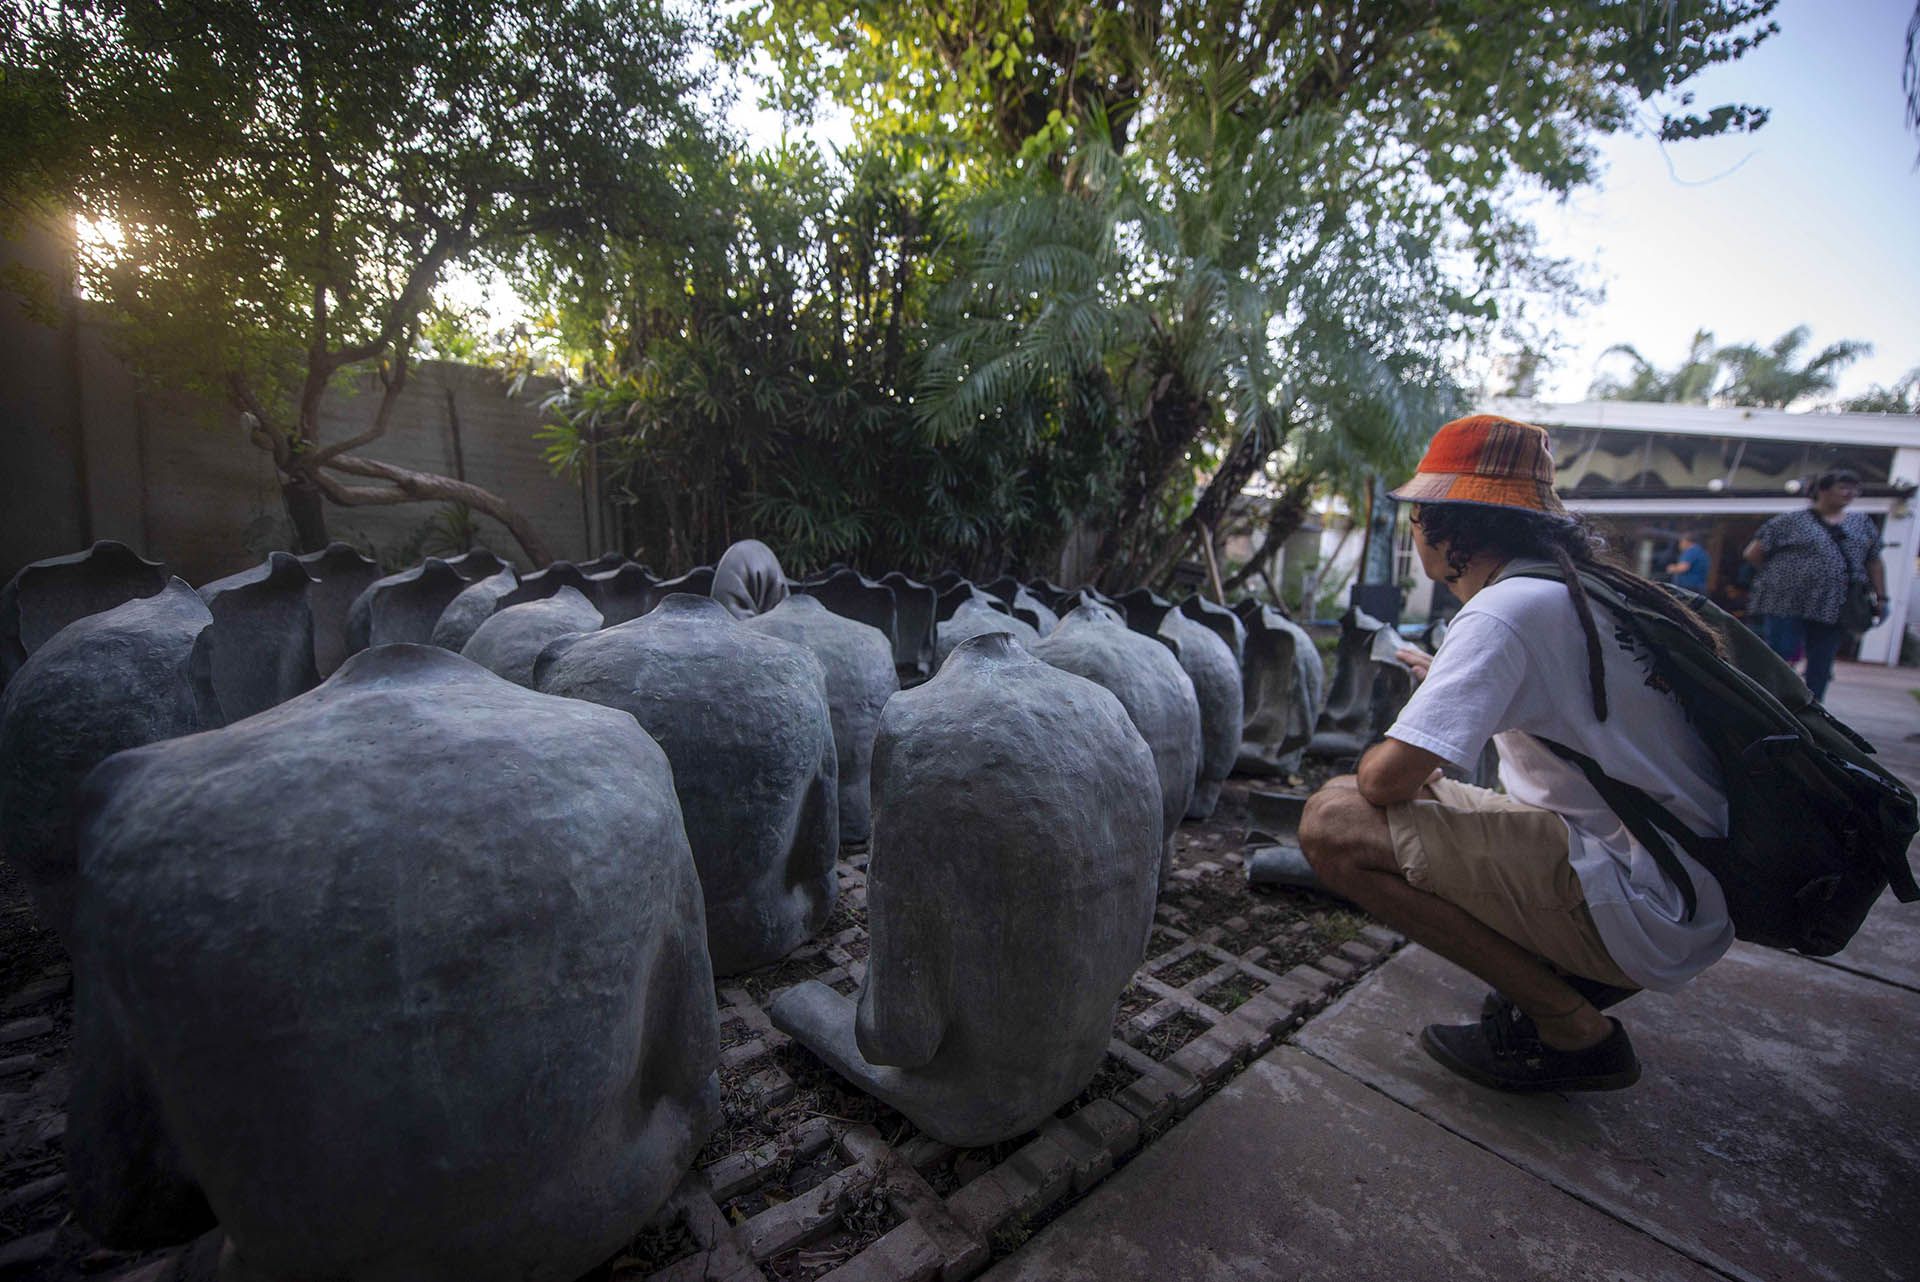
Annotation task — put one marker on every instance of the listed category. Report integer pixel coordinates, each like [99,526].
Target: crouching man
[1541,892]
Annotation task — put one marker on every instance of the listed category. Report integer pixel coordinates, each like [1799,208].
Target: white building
[1646,473]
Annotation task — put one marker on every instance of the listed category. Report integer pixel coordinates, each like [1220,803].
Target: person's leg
[1784,635]
[1351,848]
[1823,646]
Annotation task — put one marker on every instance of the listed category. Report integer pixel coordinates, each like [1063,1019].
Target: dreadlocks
[1465,530]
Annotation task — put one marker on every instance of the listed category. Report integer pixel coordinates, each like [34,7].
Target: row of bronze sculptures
[396,902]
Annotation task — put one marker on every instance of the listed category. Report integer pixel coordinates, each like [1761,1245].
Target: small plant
[1011,1236]
[657,1246]
[1234,992]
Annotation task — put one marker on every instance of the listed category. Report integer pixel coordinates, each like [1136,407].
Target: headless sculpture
[744,719]
[1210,665]
[405,977]
[1094,642]
[1015,852]
[860,679]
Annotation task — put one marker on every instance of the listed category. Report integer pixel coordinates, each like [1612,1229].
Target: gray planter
[258,652]
[624,592]
[913,622]
[852,595]
[860,679]
[1143,609]
[510,643]
[411,967]
[1081,596]
[474,605]
[1219,620]
[113,680]
[403,608]
[1015,848]
[1024,605]
[1283,683]
[1052,595]
[543,583]
[976,615]
[48,595]
[1210,665]
[748,579]
[955,595]
[695,582]
[1095,643]
[1369,688]
[476,564]
[744,719]
[340,574]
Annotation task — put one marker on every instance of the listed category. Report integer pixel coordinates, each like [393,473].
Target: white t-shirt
[1514,665]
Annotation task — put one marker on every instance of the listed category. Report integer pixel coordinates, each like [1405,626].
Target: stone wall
[85,455]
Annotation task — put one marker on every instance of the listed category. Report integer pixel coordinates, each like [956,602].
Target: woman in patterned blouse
[1806,560]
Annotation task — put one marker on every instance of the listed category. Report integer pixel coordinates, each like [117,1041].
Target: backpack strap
[1838,533]
[1651,823]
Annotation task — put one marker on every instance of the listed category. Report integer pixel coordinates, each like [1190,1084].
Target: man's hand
[1418,661]
[1392,772]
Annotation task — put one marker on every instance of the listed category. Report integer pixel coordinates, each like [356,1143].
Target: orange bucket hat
[1489,460]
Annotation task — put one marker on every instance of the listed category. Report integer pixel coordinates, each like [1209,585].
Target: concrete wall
[42,480]
[85,454]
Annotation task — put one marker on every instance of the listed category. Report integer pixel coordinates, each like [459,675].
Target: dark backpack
[1817,828]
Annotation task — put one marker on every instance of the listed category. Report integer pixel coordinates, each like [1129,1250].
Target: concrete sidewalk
[1775,1135]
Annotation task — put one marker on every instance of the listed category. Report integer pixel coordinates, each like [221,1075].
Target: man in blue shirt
[1690,571]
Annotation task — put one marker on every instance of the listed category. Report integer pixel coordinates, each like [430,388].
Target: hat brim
[1483,491]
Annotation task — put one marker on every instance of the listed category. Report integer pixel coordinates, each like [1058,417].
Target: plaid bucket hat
[1489,460]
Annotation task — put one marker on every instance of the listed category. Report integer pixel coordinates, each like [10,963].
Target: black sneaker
[1504,1052]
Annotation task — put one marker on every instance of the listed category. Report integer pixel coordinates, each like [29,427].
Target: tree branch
[412,485]
[263,433]
[407,304]
[1257,442]
[394,379]
[359,495]
[1284,518]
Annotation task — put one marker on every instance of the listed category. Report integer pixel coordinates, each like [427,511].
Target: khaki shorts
[1506,863]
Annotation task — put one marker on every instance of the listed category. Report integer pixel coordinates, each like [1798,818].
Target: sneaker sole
[1600,1082]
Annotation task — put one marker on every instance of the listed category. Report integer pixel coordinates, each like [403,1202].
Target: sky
[1814,219]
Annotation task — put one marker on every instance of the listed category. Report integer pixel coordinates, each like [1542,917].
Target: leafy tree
[290,183]
[1691,382]
[1172,210]
[1002,81]
[1910,70]
[1902,398]
[1774,375]
[1519,372]
[740,381]
[1734,374]
[1163,311]
[758,379]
